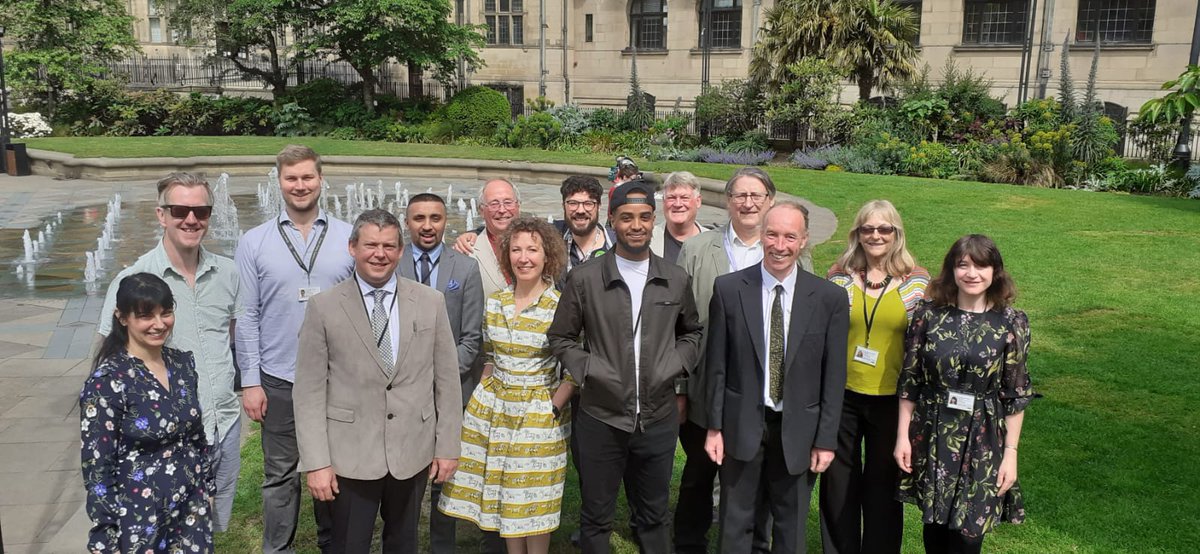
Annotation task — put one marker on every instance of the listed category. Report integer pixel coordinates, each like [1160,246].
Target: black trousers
[642,459]
[693,508]
[397,501]
[940,539]
[859,510]
[746,484]
[281,480]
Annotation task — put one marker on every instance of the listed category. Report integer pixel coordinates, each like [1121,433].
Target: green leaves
[1178,104]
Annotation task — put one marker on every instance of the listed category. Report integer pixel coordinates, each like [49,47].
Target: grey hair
[516,192]
[377,217]
[751,172]
[181,179]
[788,204]
[681,179]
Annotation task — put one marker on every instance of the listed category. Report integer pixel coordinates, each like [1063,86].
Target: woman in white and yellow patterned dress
[514,440]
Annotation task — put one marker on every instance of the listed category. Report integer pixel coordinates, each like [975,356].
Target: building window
[648,24]
[725,24]
[915,7]
[155,20]
[994,21]
[505,22]
[1128,21]
[587,28]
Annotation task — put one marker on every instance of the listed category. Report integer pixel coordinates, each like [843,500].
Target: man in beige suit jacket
[377,395]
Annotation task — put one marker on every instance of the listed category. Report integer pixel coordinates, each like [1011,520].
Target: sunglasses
[883,230]
[181,212]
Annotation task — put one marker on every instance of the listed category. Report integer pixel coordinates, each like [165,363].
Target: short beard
[635,250]
[591,226]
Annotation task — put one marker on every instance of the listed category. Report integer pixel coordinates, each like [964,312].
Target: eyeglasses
[588,205]
[181,212]
[497,204]
[754,197]
[883,230]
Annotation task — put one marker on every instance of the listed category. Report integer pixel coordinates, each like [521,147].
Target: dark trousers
[281,480]
[642,459]
[940,539]
[744,485]
[693,508]
[855,492]
[397,501]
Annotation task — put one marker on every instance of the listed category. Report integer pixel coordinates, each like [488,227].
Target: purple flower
[99,489]
[139,475]
[142,423]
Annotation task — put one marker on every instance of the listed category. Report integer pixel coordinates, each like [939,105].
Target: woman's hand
[903,454]
[487,371]
[1008,471]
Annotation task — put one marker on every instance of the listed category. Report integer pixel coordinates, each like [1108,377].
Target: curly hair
[552,246]
[900,261]
[943,290]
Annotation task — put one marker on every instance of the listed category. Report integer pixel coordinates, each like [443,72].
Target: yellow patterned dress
[514,452]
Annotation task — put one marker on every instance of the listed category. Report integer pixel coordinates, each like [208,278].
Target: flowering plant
[28,125]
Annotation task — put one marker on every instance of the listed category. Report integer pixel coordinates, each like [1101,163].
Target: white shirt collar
[367,289]
[769,281]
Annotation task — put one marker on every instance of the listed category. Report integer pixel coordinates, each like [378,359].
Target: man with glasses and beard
[206,288]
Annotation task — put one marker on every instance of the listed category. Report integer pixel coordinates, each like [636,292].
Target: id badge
[960,401]
[307,293]
[865,355]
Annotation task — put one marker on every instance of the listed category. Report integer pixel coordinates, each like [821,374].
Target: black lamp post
[1183,150]
[3,117]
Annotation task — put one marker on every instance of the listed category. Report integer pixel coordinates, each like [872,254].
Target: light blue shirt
[267,333]
[434,256]
[202,318]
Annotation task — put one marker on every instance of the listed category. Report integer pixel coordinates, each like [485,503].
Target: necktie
[426,268]
[776,346]
[379,323]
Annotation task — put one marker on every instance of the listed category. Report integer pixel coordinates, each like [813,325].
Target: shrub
[317,95]
[1192,179]
[731,108]
[805,160]
[931,159]
[292,120]
[603,119]
[745,157]
[28,125]
[538,129]
[1156,139]
[476,111]
[415,133]
[753,141]
[343,133]
[573,120]
[244,116]
[1149,180]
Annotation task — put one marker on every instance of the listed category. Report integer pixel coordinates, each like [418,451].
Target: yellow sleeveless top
[887,338]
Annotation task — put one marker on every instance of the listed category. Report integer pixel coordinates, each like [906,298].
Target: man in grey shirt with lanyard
[283,263]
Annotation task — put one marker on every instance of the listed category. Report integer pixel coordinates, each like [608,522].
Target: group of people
[481,367]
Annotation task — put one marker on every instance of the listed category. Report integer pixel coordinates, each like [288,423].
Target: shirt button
[389,387]
[390,416]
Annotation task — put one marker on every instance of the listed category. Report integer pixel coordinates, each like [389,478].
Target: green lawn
[1107,281]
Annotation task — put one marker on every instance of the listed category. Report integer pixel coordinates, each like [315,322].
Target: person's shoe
[575,538]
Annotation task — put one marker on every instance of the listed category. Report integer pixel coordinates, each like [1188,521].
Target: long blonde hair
[899,262]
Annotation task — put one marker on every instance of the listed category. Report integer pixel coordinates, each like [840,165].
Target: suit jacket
[489,267]
[459,282]
[349,414]
[703,257]
[814,365]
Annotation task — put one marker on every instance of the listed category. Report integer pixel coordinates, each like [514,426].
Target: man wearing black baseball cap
[628,415]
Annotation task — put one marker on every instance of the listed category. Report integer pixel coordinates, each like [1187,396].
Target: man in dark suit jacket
[426,260]
[775,397]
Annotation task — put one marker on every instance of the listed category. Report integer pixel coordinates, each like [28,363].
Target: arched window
[648,24]
[725,24]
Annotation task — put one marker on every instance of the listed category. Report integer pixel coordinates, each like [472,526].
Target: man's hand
[254,401]
[442,468]
[681,404]
[322,483]
[714,445]
[465,243]
[903,455]
[819,460]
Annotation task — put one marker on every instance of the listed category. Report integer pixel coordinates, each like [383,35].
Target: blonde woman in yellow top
[859,511]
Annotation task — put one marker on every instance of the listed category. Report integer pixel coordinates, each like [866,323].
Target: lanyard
[388,321]
[871,320]
[312,260]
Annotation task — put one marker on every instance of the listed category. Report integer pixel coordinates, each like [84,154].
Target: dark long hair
[139,293]
[943,291]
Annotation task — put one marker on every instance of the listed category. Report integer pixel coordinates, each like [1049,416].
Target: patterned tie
[379,322]
[426,268]
[776,346]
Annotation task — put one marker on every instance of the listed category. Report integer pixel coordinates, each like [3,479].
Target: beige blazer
[349,415]
[489,266]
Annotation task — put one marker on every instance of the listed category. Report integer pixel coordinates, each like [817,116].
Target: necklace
[871,285]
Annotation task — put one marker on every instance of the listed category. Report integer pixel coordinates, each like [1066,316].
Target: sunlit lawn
[1108,457]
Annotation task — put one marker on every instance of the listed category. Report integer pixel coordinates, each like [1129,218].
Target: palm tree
[872,39]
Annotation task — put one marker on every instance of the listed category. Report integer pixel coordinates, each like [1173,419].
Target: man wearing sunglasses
[206,288]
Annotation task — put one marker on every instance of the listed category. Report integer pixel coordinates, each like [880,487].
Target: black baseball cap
[620,194]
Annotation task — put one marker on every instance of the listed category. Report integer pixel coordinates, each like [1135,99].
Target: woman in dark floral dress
[145,459]
[963,389]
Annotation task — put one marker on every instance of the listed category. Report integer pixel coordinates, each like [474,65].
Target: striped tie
[379,323]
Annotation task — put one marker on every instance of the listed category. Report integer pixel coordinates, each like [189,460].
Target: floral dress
[145,459]
[956,454]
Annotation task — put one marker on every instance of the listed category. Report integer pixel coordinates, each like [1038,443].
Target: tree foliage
[731,109]
[807,99]
[62,45]
[1178,104]
[238,27]
[1068,107]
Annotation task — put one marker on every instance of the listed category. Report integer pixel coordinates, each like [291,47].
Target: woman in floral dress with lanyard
[963,391]
[145,458]
[514,441]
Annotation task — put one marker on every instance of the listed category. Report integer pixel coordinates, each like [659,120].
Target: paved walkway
[45,343]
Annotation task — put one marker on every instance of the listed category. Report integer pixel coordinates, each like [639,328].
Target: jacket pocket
[339,414]
[428,411]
